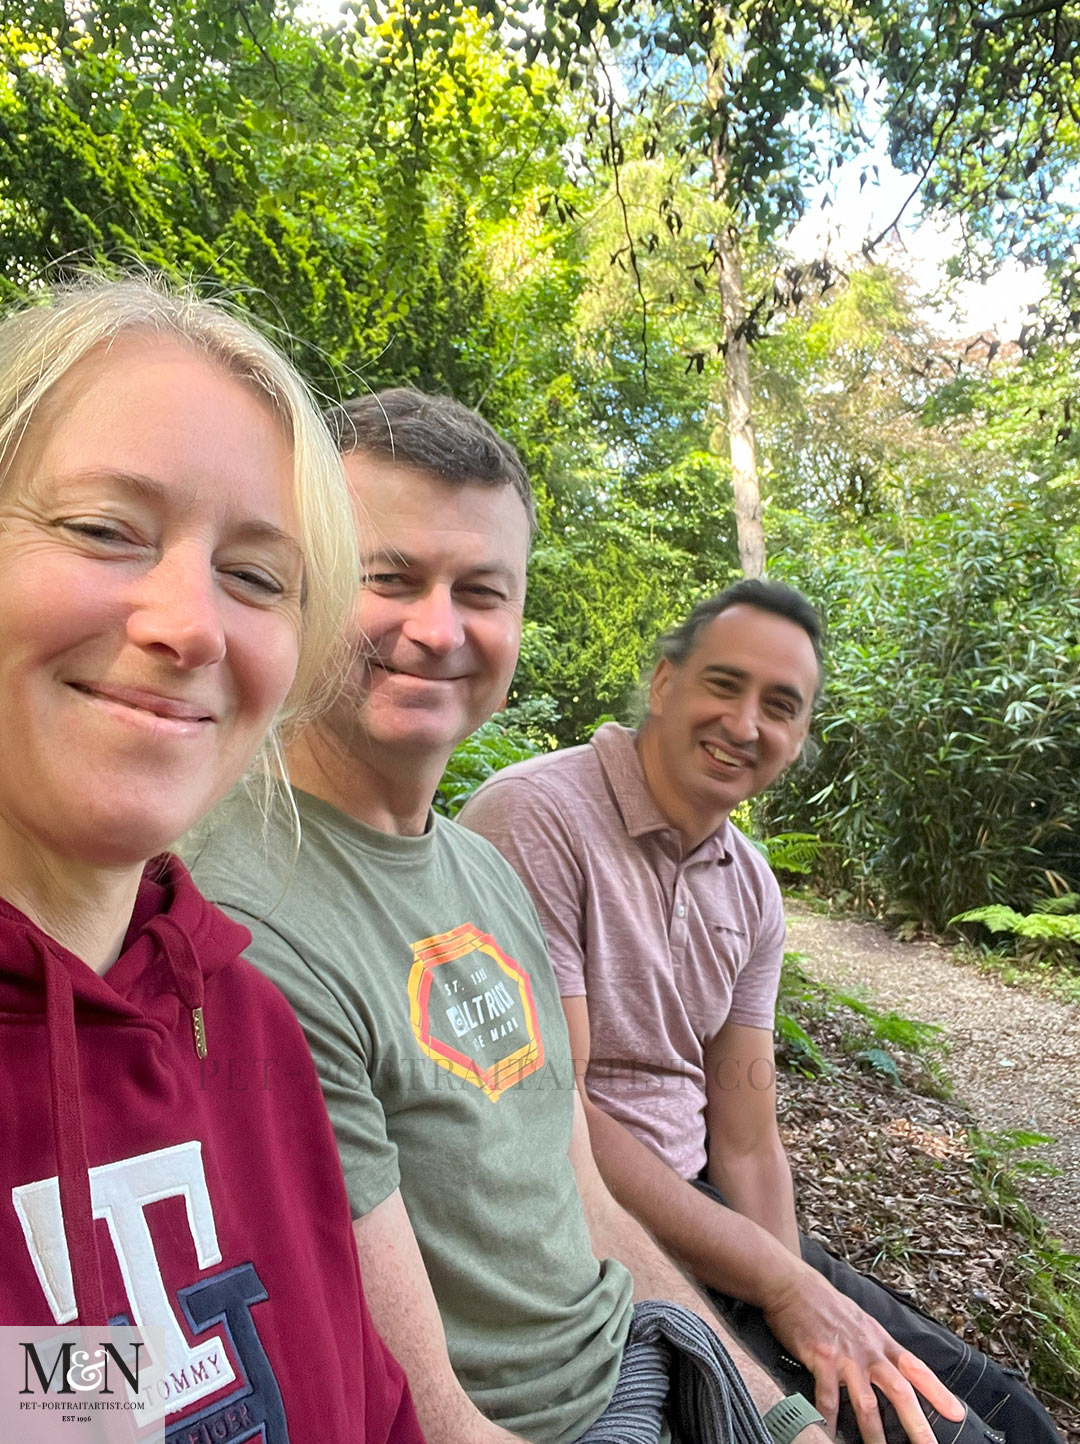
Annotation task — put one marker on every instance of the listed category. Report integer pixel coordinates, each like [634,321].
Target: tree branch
[616,173]
[1023,12]
[267,59]
[870,246]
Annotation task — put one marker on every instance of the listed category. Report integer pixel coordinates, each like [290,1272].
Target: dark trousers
[999,1405]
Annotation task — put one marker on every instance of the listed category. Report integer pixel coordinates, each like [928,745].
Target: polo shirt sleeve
[753,998]
[369,1159]
[529,828]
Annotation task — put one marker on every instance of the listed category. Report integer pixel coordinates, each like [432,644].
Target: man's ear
[660,685]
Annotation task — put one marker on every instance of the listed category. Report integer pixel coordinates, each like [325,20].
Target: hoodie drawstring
[178,952]
[176,948]
[69,1138]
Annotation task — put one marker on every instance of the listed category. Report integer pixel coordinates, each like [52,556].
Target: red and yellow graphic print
[472,1010]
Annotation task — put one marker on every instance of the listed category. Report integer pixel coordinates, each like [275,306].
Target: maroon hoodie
[166,1159]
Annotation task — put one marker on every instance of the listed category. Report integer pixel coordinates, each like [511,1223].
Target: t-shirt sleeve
[753,998]
[368,1158]
[530,831]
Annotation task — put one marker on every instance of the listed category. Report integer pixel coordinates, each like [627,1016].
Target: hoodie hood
[175,941]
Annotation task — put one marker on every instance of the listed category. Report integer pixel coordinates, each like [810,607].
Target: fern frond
[995,916]
[1067,903]
[1045,926]
[793,851]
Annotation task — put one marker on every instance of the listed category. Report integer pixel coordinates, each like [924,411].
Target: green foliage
[801,1048]
[352,187]
[1047,934]
[1050,1274]
[409,197]
[1066,903]
[869,1038]
[798,994]
[987,112]
[1005,1146]
[772,86]
[1022,925]
[600,596]
[949,727]
[513,735]
[793,851]
[892,1028]
[880,1062]
[851,412]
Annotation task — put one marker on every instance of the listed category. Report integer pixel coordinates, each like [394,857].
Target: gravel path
[1014,1055]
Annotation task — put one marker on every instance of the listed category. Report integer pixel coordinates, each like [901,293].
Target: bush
[950,725]
[1049,934]
[510,736]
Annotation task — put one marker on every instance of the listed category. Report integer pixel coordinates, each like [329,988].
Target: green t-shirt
[419,972]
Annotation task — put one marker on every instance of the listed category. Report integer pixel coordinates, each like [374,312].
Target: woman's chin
[122,842]
[115,821]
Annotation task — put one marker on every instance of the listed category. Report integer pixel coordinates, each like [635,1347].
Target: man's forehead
[747,640]
[381,485]
[405,510]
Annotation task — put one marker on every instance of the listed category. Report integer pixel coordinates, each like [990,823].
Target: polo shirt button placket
[678,926]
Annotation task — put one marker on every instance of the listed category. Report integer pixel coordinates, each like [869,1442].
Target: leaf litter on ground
[892,1175]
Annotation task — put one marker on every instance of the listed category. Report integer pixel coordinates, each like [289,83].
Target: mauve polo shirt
[667,948]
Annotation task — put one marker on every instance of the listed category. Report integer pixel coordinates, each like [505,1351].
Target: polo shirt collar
[616,750]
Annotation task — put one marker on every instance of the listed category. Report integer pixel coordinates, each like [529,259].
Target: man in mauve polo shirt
[666,931]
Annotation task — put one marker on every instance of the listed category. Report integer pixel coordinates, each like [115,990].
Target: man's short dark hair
[432,434]
[783,601]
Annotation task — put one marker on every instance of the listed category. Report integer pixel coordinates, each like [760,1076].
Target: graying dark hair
[433,434]
[775,597]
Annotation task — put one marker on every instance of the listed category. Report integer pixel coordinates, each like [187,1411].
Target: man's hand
[826,1332]
[616,1234]
[844,1347]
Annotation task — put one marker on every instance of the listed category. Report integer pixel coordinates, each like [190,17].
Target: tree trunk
[740,415]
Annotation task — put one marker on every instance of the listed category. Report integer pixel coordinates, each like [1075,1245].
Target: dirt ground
[1014,1055]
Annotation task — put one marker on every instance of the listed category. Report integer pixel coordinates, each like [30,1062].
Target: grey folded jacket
[676,1373]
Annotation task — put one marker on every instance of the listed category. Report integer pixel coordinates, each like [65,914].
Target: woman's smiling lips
[135,704]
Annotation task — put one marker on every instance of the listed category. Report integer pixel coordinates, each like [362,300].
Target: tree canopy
[576,219]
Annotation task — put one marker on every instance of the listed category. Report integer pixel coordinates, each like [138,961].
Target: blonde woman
[175,565]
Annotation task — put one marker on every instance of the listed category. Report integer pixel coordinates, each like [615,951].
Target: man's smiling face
[726,722]
[437,623]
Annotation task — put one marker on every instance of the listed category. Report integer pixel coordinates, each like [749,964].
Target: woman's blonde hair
[56,329]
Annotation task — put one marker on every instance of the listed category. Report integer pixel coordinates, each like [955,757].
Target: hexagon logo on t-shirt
[472,1011]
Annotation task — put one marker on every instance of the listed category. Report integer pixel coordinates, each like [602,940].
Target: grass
[1050,1275]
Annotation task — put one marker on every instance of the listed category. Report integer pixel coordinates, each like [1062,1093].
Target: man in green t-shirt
[414,959]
